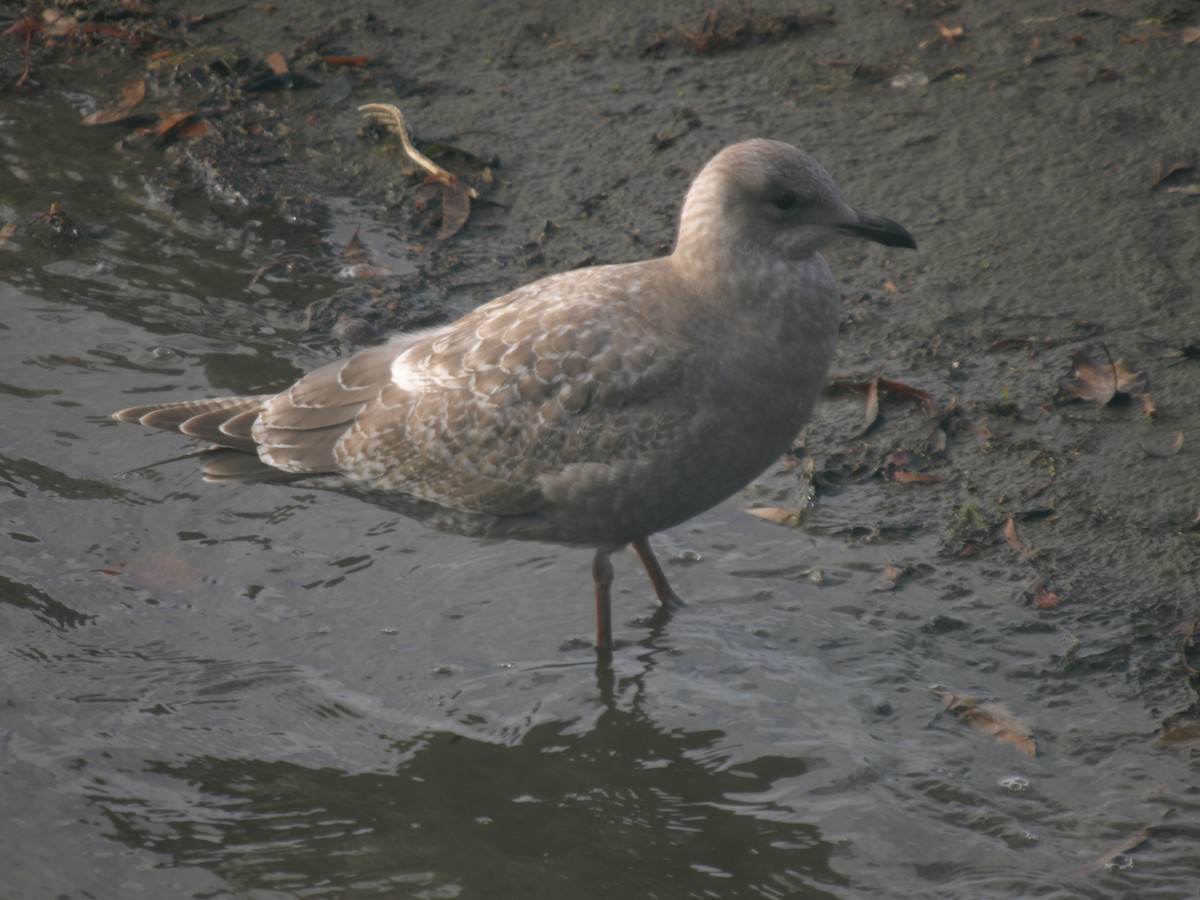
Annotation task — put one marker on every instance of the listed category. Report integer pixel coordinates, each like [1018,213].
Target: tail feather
[235,467]
[226,421]
[241,426]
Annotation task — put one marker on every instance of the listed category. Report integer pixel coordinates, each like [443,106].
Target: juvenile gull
[593,407]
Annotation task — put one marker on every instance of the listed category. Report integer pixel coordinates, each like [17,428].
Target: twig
[387,114]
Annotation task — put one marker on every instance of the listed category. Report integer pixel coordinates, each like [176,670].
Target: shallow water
[269,692]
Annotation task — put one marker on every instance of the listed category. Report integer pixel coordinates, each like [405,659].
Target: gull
[593,407]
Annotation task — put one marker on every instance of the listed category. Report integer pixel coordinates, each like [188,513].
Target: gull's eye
[785,200]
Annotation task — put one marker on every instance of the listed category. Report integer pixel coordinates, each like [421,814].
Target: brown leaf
[7,231]
[1037,490]
[948,33]
[900,389]
[190,130]
[276,63]
[1187,646]
[1132,842]
[1146,37]
[895,388]
[205,18]
[133,93]
[131,97]
[1191,35]
[354,252]
[902,476]
[1170,168]
[167,121]
[355,61]
[1179,734]
[780,515]
[456,207]
[891,577]
[1173,450]
[1043,597]
[1148,407]
[113,115]
[871,412]
[175,125]
[993,719]
[1102,382]
[896,469]
[1010,535]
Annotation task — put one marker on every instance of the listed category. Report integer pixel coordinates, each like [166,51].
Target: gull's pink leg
[602,579]
[667,598]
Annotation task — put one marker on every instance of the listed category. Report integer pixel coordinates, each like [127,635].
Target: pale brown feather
[199,418]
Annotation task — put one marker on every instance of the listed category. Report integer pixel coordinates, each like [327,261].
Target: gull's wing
[489,413]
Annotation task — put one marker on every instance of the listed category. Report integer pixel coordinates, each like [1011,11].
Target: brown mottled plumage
[593,407]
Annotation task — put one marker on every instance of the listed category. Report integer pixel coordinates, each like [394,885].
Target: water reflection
[42,605]
[627,808]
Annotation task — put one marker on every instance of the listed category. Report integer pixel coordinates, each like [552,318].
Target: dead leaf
[355,61]
[871,413]
[276,63]
[896,469]
[715,34]
[1044,598]
[1132,842]
[1173,450]
[59,223]
[948,33]
[354,252]
[1191,35]
[1101,383]
[133,93]
[993,719]
[1179,734]
[901,476]
[778,514]
[1187,644]
[891,577]
[890,386]
[1174,168]
[1010,535]
[1037,490]
[952,420]
[114,115]
[1146,37]
[456,206]
[191,130]
[175,125]
[204,18]
[123,112]
[7,231]
[900,389]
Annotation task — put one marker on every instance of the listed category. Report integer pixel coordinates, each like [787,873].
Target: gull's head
[768,199]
